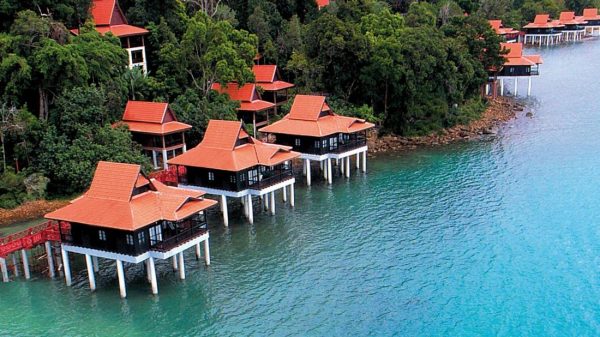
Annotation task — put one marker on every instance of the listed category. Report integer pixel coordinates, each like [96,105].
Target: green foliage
[12,189]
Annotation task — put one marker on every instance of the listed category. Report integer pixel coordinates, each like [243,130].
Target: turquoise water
[491,238]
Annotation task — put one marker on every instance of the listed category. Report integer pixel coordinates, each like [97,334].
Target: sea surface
[492,238]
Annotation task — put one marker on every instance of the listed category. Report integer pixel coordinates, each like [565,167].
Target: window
[232,179]
[297,142]
[317,144]
[129,239]
[211,176]
[102,235]
[324,143]
[155,234]
[142,238]
[137,56]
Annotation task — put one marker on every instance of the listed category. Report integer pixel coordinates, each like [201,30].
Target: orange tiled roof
[110,202]
[322,3]
[311,116]
[218,150]
[590,14]
[568,18]
[150,117]
[102,11]
[246,94]
[122,30]
[266,78]
[515,56]
[500,29]
[543,21]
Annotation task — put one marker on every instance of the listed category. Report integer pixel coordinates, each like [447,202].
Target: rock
[529,114]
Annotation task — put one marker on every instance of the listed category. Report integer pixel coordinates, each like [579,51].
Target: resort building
[508,34]
[312,129]
[128,218]
[154,126]
[543,31]
[573,28]
[109,18]
[322,3]
[518,66]
[253,110]
[274,89]
[230,163]
[592,19]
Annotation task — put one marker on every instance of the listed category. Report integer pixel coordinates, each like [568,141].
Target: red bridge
[29,238]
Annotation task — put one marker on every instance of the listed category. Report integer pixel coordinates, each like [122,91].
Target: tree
[421,14]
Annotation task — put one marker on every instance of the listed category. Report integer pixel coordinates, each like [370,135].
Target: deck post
[90,270]
[516,86]
[250,212]
[284,193]
[307,162]
[501,87]
[206,252]
[364,161]
[25,264]
[304,167]
[357,161]
[343,166]
[181,266]
[164,155]
[245,206]
[50,259]
[154,160]
[266,201]
[329,175]
[174,259]
[152,271]
[198,252]
[224,207]
[4,270]
[66,265]
[529,87]
[347,167]
[15,264]
[95,263]
[272,197]
[147,268]
[292,201]
[121,276]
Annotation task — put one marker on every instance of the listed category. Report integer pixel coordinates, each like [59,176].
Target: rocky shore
[29,211]
[499,111]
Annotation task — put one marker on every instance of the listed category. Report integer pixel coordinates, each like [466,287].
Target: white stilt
[347,167]
[245,206]
[147,267]
[284,193]
[174,258]
[50,259]
[501,87]
[304,167]
[325,171]
[154,159]
[95,263]
[4,269]
[364,161]
[516,86]
[90,270]
[152,270]
[343,166]
[206,253]
[250,212]
[224,207]
[529,87]
[357,161]
[198,252]
[15,264]
[181,266]
[66,266]
[329,175]
[266,201]
[164,155]
[272,197]
[25,264]
[121,276]
[307,171]
[292,201]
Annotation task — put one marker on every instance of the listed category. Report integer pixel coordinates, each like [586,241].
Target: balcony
[271,178]
[350,145]
[196,228]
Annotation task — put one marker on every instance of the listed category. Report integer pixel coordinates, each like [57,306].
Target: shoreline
[30,210]
[499,111]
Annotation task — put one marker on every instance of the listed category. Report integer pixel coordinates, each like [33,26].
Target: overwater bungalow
[230,163]
[315,131]
[592,19]
[507,33]
[154,126]
[543,31]
[268,79]
[109,18]
[518,66]
[573,27]
[253,109]
[128,218]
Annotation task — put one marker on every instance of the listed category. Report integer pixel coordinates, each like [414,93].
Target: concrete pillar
[152,270]
[325,171]
[329,175]
[347,167]
[175,266]
[224,208]
[307,161]
[15,264]
[154,159]
[25,264]
[304,167]
[95,263]
[364,161]
[516,86]
[121,276]
[292,201]
[245,206]
[90,270]
[266,201]
[357,161]
[66,266]
[198,252]
[250,211]
[4,270]
[50,259]
[343,166]
[272,197]
[147,267]
[284,193]
[501,87]
[206,252]
[181,266]
[164,155]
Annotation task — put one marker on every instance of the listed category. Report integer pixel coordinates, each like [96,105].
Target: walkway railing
[29,238]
